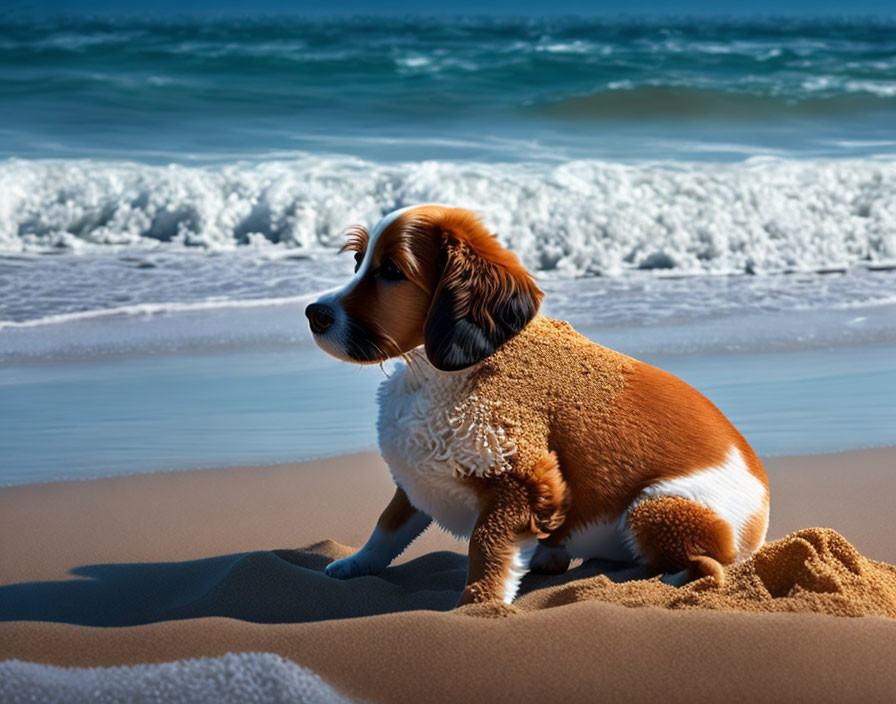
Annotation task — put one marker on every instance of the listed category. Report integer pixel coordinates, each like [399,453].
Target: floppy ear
[481,301]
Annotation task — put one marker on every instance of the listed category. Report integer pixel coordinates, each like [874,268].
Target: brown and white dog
[512,430]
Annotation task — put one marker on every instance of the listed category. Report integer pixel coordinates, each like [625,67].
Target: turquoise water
[172,192]
[193,160]
[82,419]
[390,88]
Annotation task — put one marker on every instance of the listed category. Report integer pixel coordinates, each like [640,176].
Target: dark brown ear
[483,298]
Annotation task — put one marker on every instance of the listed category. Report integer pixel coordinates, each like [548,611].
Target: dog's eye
[389,271]
[359,257]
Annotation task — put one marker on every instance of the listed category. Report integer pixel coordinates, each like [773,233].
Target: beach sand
[160,567]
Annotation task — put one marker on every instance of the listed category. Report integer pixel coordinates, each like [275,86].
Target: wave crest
[580,217]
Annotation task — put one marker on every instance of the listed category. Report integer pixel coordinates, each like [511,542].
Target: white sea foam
[762,215]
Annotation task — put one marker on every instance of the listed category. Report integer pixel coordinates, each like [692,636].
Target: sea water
[101,417]
[715,195]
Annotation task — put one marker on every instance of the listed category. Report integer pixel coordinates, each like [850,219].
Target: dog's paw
[357,565]
[549,560]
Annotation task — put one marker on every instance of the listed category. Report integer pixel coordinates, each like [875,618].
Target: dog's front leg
[396,528]
[501,544]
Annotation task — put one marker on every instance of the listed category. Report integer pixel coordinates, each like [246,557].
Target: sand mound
[812,570]
[329,549]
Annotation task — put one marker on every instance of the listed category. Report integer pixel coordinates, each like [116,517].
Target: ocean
[682,188]
[388,89]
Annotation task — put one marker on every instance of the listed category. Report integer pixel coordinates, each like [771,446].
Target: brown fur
[659,428]
[437,249]
[478,269]
[357,238]
[617,425]
[752,534]
[505,518]
[675,534]
[592,427]
[390,311]
[548,496]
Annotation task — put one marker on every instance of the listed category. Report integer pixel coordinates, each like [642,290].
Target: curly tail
[549,496]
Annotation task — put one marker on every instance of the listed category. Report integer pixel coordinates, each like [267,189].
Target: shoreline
[369,452]
[266,406]
[687,310]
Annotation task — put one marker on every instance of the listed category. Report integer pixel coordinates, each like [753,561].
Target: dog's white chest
[432,434]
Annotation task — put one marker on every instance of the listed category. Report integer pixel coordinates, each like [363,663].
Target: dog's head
[427,275]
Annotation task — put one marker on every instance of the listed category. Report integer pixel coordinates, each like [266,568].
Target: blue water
[130,148]
[118,416]
[713,195]
[209,89]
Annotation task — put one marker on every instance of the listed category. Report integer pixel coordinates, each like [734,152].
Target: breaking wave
[577,218]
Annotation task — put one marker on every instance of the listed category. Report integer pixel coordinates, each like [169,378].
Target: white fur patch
[519,566]
[432,432]
[730,490]
[380,549]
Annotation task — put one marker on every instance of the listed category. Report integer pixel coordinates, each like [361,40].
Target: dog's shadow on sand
[280,586]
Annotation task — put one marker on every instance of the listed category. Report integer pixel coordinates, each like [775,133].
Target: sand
[161,567]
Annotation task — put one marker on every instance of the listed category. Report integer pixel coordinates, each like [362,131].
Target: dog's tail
[548,494]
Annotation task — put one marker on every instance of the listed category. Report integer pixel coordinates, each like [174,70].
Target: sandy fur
[495,398]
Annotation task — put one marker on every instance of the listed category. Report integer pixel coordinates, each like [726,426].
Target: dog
[513,431]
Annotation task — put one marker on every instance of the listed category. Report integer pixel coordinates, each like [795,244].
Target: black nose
[320,317]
